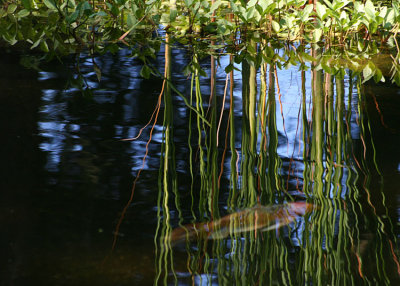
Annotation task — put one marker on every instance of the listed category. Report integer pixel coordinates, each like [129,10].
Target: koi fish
[262,218]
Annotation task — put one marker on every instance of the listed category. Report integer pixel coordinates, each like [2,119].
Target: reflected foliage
[326,161]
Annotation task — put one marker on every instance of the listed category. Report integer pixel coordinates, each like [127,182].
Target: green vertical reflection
[317,145]
[330,245]
[274,161]
[167,183]
[248,194]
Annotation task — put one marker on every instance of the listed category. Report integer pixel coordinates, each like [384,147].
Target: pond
[82,205]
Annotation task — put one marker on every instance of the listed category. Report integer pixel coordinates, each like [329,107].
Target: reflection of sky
[44,75]
[54,135]
[121,74]
[52,131]
[64,125]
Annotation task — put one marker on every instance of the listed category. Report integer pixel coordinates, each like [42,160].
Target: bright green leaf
[251,3]
[370,10]
[379,76]
[35,44]
[44,47]
[306,12]
[275,26]
[321,10]
[317,35]
[367,73]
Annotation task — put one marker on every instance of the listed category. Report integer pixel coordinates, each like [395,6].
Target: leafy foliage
[59,27]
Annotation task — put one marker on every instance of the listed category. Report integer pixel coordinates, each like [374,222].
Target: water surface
[66,176]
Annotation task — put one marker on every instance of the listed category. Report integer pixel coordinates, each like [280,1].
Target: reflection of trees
[331,245]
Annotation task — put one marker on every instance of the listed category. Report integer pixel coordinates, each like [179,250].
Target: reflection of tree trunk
[167,174]
[317,79]
[340,151]
[249,132]
[261,125]
[273,158]
[232,140]
[213,150]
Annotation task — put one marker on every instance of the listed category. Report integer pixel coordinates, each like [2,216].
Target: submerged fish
[259,217]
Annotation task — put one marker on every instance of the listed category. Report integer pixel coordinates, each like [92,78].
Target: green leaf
[131,20]
[275,26]
[115,10]
[326,67]
[266,5]
[87,8]
[250,13]
[188,70]
[379,76]
[44,47]
[215,6]
[188,3]
[327,3]
[23,13]
[11,8]
[340,74]
[99,14]
[71,4]
[317,35]
[72,17]
[251,3]
[370,9]
[321,10]
[229,68]
[145,72]
[172,15]
[307,57]
[35,44]
[200,71]
[50,4]
[339,4]
[26,4]
[389,18]
[306,12]
[368,72]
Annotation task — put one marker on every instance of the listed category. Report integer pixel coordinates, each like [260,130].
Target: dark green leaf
[229,68]
[27,4]
[188,70]
[145,72]
[114,10]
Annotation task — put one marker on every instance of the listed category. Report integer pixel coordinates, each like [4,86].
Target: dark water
[66,176]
